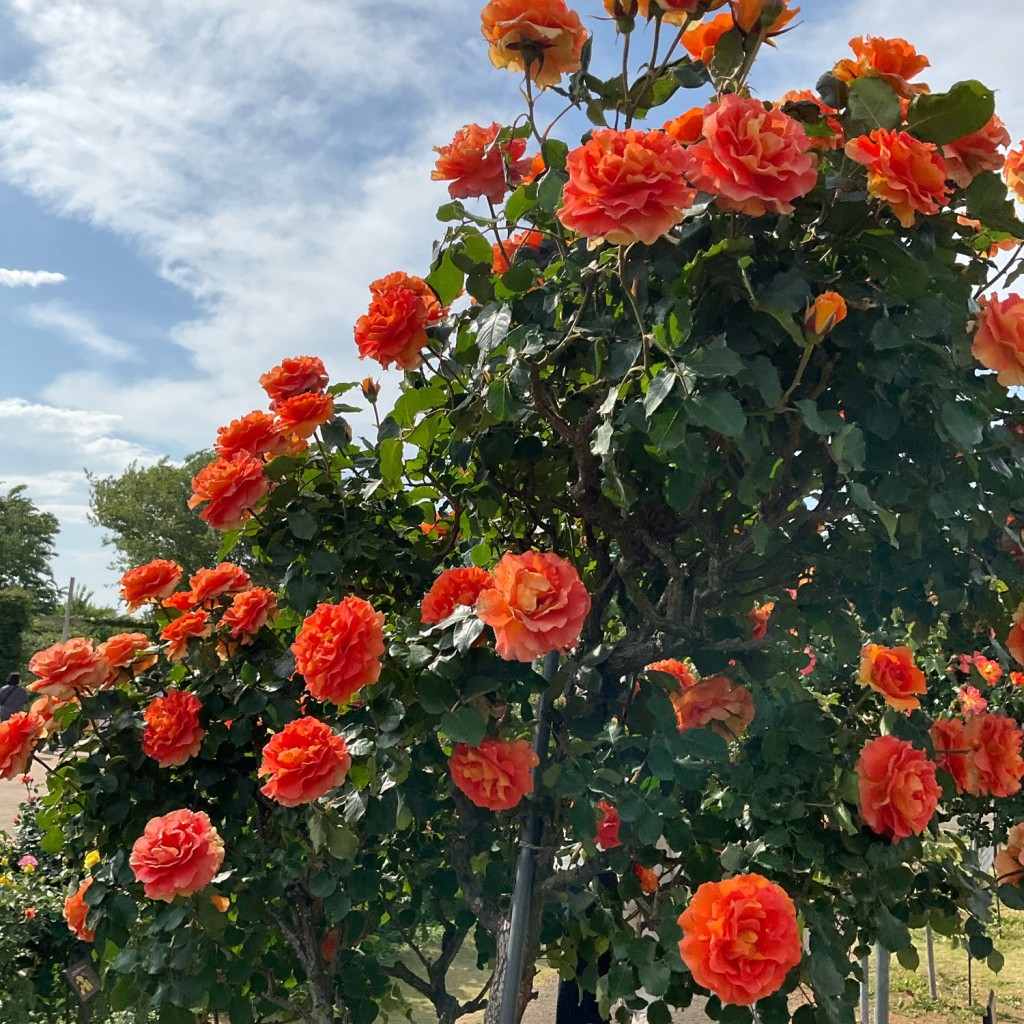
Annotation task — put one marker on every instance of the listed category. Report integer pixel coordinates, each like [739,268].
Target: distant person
[13,696]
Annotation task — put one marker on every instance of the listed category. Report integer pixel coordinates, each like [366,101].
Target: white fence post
[882,960]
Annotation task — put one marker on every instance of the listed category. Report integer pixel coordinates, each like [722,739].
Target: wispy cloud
[77,328]
[29,278]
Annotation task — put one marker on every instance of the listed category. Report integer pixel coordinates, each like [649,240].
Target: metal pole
[882,958]
[865,990]
[66,632]
[970,981]
[933,988]
[522,894]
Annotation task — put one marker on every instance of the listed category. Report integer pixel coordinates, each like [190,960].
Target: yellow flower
[5,880]
[28,868]
[92,858]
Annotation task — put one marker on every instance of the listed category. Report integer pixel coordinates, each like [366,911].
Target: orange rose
[827,310]
[177,855]
[173,733]
[224,578]
[1009,862]
[75,913]
[625,187]
[994,765]
[393,329]
[151,582]
[256,433]
[537,604]
[220,903]
[678,669]
[740,938]
[400,279]
[608,826]
[647,877]
[908,174]
[250,611]
[44,708]
[758,617]
[898,791]
[338,649]
[800,97]
[971,700]
[1013,171]
[999,344]
[891,672]
[951,749]
[754,161]
[452,589]
[294,377]
[976,153]
[190,626]
[716,703]
[686,128]
[180,602]
[476,167]
[305,760]
[506,253]
[19,737]
[700,40]
[750,16]
[300,415]
[894,61]
[541,37]
[1017,678]
[370,389]
[673,12]
[497,774]
[123,655]
[233,487]
[67,667]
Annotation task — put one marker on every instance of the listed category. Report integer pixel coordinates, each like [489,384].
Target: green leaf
[714,361]
[446,279]
[824,424]
[658,391]
[52,841]
[668,424]
[549,191]
[988,202]
[492,327]
[963,426]
[302,525]
[718,411]
[520,202]
[873,104]
[464,726]
[729,55]
[848,449]
[944,117]
[391,460]
[500,401]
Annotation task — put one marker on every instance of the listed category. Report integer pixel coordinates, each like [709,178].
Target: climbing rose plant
[705,457]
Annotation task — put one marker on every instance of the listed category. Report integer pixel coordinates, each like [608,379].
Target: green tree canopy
[26,546]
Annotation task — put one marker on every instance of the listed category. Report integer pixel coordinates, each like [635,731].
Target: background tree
[145,511]
[27,538]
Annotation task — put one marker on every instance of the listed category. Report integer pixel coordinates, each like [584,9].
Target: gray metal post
[933,988]
[522,894]
[66,631]
[865,990]
[882,959]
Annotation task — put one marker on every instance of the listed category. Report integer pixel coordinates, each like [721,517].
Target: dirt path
[12,794]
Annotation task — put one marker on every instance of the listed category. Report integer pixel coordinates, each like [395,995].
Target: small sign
[84,980]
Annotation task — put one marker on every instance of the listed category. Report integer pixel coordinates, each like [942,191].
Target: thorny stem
[625,81]
[804,361]
[1014,259]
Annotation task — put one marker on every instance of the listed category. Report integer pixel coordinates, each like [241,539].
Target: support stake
[933,988]
[882,958]
[865,990]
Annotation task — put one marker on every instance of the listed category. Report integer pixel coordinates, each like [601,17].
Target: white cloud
[29,278]
[77,328]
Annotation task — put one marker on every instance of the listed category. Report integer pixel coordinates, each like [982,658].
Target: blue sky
[190,192]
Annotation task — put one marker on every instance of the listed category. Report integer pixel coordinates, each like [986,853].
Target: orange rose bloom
[173,733]
[506,253]
[908,174]
[716,703]
[177,855]
[686,128]
[994,765]
[495,775]
[304,760]
[250,611]
[951,749]
[452,589]
[1009,862]
[122,654]
[999,341]
[256,433]
[892,673]
[180,602]
[976,153]
[820,142]
[300,415]
[625,187]
[151,582]
[75,913]
[338,649]
[400,279]
[43,708]
[541,37]
[224,578]
[894,61]
[898,791]
[827,310]
[1017,678]
[537,604]
[749,13]
[740,938]
[190,626]
[393,329]
[19,737]
[647,877]
[476,167]
[1013,171]
[294,377]
[672,667]
[758,617]
[233,487]
[608,826]
[754,161]
[66,668]
[673,12]
[700,40]
[971,700]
